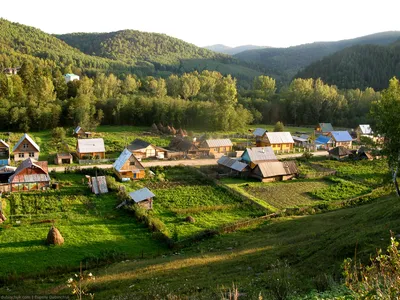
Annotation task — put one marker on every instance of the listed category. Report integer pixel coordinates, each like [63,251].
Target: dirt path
[186,162]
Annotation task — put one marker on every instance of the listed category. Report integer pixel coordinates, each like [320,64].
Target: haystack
[54,237]
[190,219]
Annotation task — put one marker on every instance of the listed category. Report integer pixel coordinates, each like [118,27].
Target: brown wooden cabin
[339,153]
[217,146]
[143,197]
[254,156]
[26,148]
[143,149]
[275,171]
[63,159]
[30,175]
[80,133]
[90,149]
[127,167]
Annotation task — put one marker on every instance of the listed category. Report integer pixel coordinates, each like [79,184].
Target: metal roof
[259,132]
[99,185]
[326,127]
[26,136]
[341,136]
[279,137]
[4,143]
[365,129]
[322,139]
[90,145]
[299,139]
[277,168]
[219,143]
[339,151]
[29,164]
[305,136]
[77,129]
[138,144]
[142,194]
[232,163]
[257,154]
[123,157]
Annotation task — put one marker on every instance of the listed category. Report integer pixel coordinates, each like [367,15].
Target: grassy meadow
[94,231]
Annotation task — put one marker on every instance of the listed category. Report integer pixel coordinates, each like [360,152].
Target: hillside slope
[232,50]
[286,62]
[359,66]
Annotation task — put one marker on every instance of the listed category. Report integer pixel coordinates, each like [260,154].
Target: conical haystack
[54,237]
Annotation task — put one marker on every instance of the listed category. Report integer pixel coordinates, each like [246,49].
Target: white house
[70,77]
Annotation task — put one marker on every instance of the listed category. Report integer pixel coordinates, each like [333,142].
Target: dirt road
[186,162]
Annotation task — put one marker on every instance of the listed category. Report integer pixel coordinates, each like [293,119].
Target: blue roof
[322,139]
[341,136]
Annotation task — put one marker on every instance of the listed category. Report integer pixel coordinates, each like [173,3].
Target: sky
[279,23]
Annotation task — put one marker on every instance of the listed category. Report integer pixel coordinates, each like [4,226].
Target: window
[132,163]
[25,146]
[21,154]
[31,154]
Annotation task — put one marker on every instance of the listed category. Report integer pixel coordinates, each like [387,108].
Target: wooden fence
[95,161]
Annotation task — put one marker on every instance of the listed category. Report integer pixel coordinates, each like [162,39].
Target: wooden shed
[254,156]
[275,171]
[143,197]
[80,133]
[63,158]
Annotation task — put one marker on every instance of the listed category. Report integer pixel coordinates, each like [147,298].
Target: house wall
[58,161]
[148,204]
[130,171]
[4,151]
[223,150]
[101,155]
[344,144]
[282,147]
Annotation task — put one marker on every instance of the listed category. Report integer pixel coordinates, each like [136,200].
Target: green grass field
[93,230]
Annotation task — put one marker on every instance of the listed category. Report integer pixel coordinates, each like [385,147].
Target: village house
[143,197]
[80,133]
[11,71]
[63,158]
[363,153]
[323,128]
[364,130]
[233,166]
[261,141]
[254,156]
[127,167]
[90,149]
[70,77]
[323,142]
[341,138]
[4,153]
[30,175]
[339,152]
[26,147]
[216,146]
[275,171]
[280,141]
[142,149]
[183,147]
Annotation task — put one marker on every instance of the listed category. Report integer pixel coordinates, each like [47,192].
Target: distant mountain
[359,66]
[284,63]
[232,50]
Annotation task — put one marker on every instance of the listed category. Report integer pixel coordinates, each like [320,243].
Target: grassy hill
[359,66]
[284,63]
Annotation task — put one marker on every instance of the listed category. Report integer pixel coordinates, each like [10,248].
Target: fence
[95,161]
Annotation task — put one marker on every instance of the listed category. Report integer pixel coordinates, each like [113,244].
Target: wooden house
[254,156]
[184,147]
[90,149]
[80,133]
[233,166]
[63,158]
[275,171]
[98,185]
[341,138]
[142,149]
[280,141]
[30,175]
[300,141]
[339,153]
[364,130]
[324,142]
[217,146]
[323,128]
[127,167]
[143,197]
[4,153]
[259,134]
[26,148]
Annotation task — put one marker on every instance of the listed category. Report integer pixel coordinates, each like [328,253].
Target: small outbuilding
[143,197]
[339,153]
[275,171]
[30,175]
[232,166]
[324,142]
[63,159]
[80,133]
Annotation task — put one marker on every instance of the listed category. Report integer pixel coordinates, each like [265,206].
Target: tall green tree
[386,114]
[264,87]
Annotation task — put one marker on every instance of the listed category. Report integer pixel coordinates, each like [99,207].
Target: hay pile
[54,237]
[190,219]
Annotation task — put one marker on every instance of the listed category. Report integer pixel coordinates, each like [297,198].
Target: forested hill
[232,50]
[133,46]
[19,42]
[359,66]
[284,63]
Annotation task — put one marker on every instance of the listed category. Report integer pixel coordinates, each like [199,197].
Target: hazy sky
[278,23]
